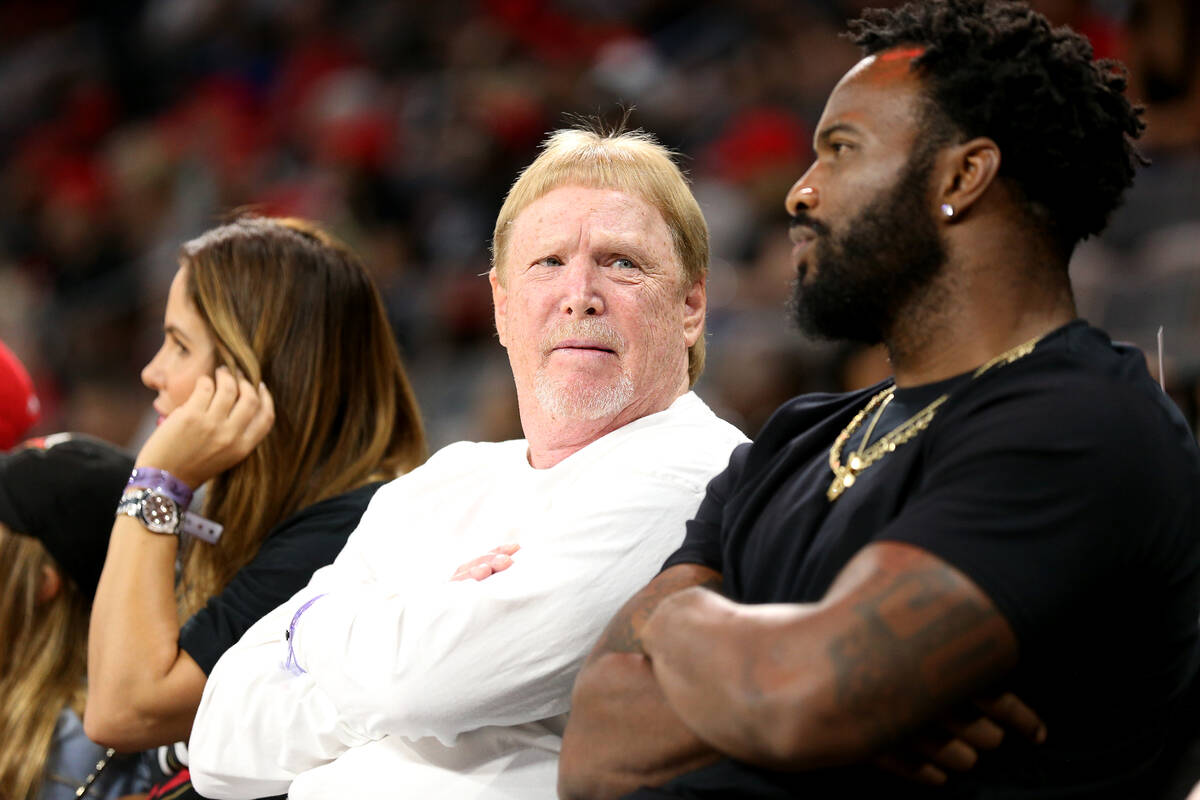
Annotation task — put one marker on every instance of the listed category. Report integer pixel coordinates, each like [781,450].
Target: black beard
[882,259]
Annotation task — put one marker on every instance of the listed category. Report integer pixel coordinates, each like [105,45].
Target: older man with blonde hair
[385,676]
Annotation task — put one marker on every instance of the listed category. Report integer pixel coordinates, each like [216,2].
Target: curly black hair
[996,68]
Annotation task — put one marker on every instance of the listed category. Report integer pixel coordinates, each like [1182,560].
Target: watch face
[159,513]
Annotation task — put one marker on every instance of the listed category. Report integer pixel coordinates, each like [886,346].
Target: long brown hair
[290,306]
[43,650]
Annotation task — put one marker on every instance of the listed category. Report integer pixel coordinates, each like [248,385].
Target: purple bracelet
[168,484]
[291,665]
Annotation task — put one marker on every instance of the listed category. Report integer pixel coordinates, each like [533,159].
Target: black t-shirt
[293,550]
[1064,485]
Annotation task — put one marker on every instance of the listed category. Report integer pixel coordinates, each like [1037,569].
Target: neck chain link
[844,475]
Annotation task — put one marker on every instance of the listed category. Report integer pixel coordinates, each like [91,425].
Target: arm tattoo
[918,642]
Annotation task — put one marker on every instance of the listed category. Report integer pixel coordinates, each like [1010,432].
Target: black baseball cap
[63,490]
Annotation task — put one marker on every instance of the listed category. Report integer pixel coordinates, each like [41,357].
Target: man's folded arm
[621,734]
[260,725]
[459,655]
[436,659]
[900,637]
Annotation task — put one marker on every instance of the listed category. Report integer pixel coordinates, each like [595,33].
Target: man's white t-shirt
[394,681]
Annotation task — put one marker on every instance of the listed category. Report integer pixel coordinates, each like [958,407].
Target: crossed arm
[407,651]
[682,675]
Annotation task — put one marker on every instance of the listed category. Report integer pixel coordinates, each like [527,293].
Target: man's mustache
[593,329]
[803,220]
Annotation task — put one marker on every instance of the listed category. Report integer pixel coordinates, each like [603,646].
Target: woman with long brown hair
[280,388]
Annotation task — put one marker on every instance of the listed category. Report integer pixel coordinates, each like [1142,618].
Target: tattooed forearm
[920,638]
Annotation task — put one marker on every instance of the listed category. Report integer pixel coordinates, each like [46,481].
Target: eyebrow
[617,244]
[178,334]
[825,134]
[629,247]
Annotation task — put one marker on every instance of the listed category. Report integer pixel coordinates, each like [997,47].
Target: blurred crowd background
[128,127]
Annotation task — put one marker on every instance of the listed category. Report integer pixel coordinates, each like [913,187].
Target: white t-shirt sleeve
[260,724]
[394,648]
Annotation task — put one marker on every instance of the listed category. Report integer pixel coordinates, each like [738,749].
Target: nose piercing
[807,191]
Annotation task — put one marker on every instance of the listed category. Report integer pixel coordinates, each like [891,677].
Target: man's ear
[695,304]
[967,171]
[500,305]
[49,586]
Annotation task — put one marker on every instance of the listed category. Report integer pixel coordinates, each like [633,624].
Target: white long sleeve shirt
[415,685]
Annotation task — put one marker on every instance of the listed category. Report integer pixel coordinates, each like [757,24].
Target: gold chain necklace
[844,475]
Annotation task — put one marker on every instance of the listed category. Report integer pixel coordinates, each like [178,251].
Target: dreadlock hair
[996,68]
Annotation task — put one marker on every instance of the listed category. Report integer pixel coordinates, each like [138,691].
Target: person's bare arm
[143,690]
[621,734]
[900,637]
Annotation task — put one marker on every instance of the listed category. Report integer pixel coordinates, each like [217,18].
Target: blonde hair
[43,652]
[290,306]
[626,161]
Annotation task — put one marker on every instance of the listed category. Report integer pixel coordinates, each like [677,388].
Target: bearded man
[1017,509]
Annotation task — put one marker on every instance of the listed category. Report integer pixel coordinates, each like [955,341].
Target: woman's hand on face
[222,421]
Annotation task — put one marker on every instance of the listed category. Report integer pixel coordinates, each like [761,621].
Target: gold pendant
[841,482]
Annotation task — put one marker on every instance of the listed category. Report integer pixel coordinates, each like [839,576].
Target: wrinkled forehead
[563,212]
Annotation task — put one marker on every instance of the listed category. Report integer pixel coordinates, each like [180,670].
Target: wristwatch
[153,508]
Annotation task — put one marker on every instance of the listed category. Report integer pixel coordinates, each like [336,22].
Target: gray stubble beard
[578,400]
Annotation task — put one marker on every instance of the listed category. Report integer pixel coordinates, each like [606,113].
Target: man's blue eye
[625,263]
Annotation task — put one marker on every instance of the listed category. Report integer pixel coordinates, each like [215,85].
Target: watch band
[152,478]
[200,528]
